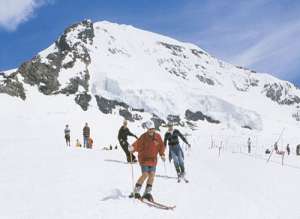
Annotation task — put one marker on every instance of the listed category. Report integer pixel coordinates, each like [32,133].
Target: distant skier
[175,151]
[122,137]
[276,147]
[298,149]
[67,135]
[249,145]
[86,135]
[288,149]
[267,151]
[148,146]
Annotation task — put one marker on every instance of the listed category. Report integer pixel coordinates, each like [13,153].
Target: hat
[150,125]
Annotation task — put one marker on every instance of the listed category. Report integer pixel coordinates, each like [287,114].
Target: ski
[154,204]
[157,205]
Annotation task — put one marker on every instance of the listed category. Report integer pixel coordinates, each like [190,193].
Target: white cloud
[15,12]
[275,50]
[261,34]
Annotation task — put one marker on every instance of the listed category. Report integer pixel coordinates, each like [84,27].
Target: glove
[130,148]
[163,158]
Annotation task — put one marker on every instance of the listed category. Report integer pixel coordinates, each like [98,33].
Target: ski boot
[135,195]
[182,175]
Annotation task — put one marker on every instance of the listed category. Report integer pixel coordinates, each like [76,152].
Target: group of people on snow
[87,140]
[280,152]
[275,148]
[148,146]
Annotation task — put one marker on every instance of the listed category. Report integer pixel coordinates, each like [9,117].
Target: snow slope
[42,178]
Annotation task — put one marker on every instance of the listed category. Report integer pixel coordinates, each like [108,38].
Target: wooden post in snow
[220,147]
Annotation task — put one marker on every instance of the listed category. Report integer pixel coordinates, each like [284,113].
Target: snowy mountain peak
[138,74]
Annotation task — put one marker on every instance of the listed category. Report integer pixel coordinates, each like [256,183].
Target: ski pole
[280,135]
[132,174]
[275,143]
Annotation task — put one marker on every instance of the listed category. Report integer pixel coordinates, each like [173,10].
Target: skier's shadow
[116,161]
[115,194]
[165,177]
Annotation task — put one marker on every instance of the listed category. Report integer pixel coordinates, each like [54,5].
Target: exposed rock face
[198,53]
[280,94]
[205,80]
[43,75]
[176,50]
[174,119]
[11,86]
[196,116]
[126,115]
[157,121]
[43,72]
[247,127]
[83,100]
[107,106]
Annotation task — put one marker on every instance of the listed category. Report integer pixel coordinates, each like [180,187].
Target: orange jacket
[148,147]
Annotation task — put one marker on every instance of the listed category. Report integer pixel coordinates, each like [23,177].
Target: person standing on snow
[67,135]
[249,145]
[175,151]
[276,147]
[123,134]
[148,146]
[86,135]
[288,149]
[298,150]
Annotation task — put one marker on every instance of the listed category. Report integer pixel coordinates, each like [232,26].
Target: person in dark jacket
[288,149]
[276,147]
[298,150]
[67,135]
[86,135]
[123,134]
[175,152]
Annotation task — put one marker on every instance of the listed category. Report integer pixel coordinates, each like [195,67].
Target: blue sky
[260,34]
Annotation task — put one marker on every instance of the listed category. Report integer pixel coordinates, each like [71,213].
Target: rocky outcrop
[205,80]
[10,85]
[281,94]
[83,100]
[107,106]
[196,116]
[43,75]
[157,121]
[174,119]
[126,115]
[175,49]
[43,70]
